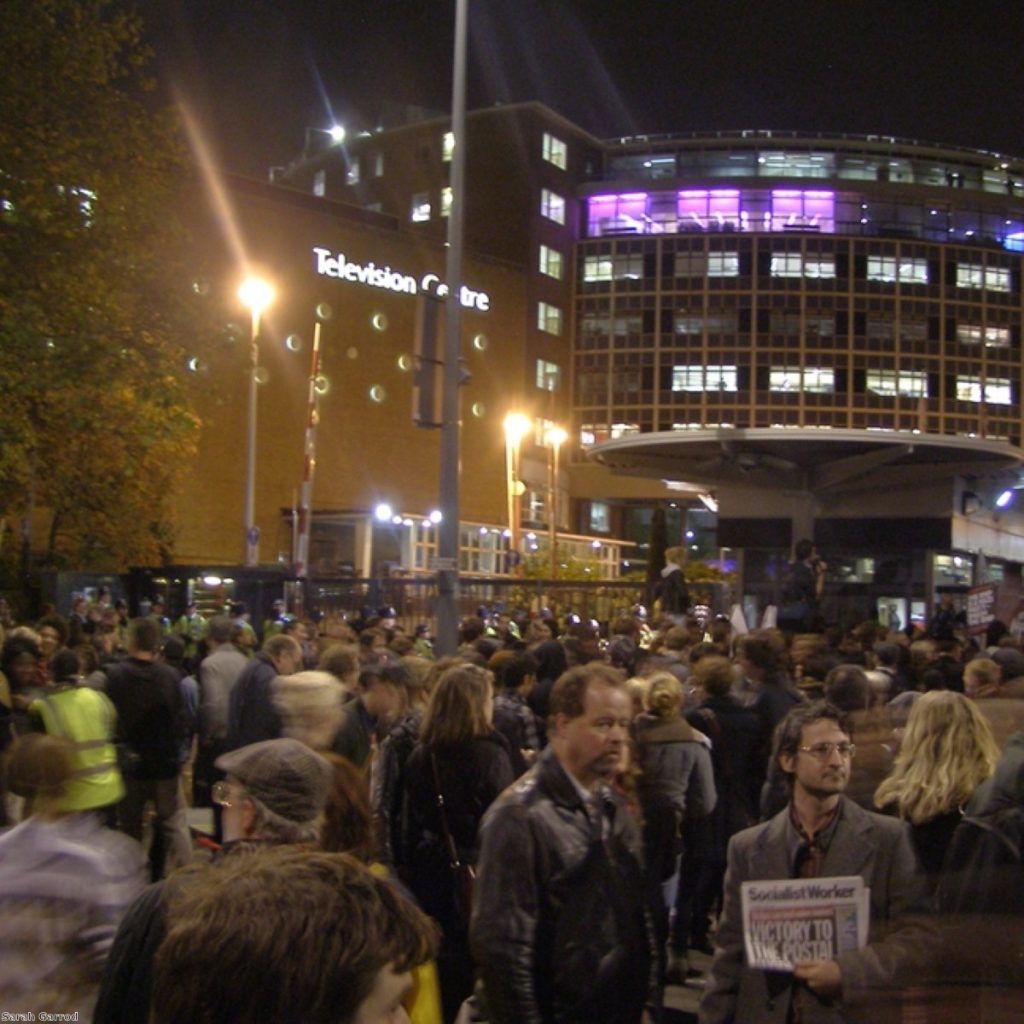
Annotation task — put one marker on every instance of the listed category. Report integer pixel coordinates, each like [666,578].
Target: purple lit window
[618,215]
[797,210]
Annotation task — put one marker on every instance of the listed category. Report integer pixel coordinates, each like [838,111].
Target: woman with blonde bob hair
[948,750]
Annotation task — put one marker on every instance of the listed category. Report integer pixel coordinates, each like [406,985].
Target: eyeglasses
[823,751]
[220,794]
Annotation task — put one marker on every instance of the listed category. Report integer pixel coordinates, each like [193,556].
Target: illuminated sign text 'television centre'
[391,280]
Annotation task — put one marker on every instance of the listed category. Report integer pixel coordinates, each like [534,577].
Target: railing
[414,599]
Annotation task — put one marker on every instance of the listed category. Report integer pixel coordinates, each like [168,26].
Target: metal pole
[448,531]
[252,533]
[309,464]
[553,510]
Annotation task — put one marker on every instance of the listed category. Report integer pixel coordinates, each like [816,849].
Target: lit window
[818,380]
[723,264]
[974,275]
[906,270]
[892,383]
[628,267]
[600,517]
[549,318]
[420,207]
[994,391]
[793,264]
[320,183]
[597,268]
[446,201]
[352,173]
[552,206]
[703,378]
[550,262]
[377,165]
[548,375]
[555,151]
[976,334]
[447,146]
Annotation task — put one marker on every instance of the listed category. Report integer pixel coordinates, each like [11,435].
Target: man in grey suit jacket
[821,833]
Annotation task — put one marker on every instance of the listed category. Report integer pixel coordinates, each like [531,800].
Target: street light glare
[556,437]
[256,294]
[337,133]
[517,426]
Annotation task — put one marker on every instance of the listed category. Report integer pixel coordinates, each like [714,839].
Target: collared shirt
[807,852]
[594,803]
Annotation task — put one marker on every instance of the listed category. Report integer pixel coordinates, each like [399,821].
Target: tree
[98,317]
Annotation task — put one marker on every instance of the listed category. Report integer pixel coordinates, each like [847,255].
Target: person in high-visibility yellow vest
[87,718]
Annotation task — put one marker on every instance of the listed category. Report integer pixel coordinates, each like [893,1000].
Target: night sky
[257,73]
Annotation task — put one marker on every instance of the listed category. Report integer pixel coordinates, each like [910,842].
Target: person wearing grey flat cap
[274,794]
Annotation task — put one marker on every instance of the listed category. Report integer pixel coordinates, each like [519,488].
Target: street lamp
[516,427]
[555,438]
[257,294]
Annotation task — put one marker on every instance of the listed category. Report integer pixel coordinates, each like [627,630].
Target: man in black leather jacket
[560,929]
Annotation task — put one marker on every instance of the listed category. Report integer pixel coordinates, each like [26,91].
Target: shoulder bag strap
[449,842]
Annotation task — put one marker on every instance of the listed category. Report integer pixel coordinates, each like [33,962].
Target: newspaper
[798,919]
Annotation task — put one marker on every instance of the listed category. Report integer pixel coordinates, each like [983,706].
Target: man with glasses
[821,833]
[273,794]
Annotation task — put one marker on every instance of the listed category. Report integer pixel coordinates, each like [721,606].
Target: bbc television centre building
[776,335]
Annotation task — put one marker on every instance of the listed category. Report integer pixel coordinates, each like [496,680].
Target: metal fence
[414,599]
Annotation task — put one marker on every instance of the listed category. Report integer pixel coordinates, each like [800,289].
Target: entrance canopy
[817,461]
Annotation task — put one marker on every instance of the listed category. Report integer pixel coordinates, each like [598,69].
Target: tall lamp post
[257,294]
[516,427]
[555,438]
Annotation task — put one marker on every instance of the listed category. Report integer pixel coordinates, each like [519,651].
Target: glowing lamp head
[337,133]
[256,294]
[517,426]
[556,437]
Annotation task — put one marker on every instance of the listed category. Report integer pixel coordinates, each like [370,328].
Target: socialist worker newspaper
[794,920]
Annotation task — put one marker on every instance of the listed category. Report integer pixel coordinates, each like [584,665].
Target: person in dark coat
[252,717]
[736,760]
[671,589]
[458,768]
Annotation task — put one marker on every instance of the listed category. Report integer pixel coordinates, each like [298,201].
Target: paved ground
[681,1001]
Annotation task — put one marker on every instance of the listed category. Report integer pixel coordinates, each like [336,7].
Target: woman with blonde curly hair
[948,750]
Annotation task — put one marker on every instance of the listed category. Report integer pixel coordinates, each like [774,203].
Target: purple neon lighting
[791,209]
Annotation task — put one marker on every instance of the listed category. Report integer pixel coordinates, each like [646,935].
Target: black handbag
[463,874]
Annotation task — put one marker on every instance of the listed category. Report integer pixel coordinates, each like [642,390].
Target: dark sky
[257,73]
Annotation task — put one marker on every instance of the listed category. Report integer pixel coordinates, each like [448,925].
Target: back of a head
[664,695]
[222,629]
[144,636]
[65,666]
[517,669]
[341,660]
[1010,662]
[285,935]
[887,653]
[848,688]
[348,816]
[677,638]
[714,674]
[38,768]
[947,751]
[458,709]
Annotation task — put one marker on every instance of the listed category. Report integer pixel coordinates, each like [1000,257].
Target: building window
[712,264]
[703,378]
[600,517]
[549,318]
[550,262]
[817,380]
[552,206]
[889,269]
[902,383]
[420,207]
[794,264]
[446,201]
[977,334]
[352,172]
[377,165]
[548,375]
[447,146]
[320,183]
[597,268]
[994,391]
[715,323]
[555,151]
[974,275]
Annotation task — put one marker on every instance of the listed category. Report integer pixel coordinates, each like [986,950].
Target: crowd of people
[547,826]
